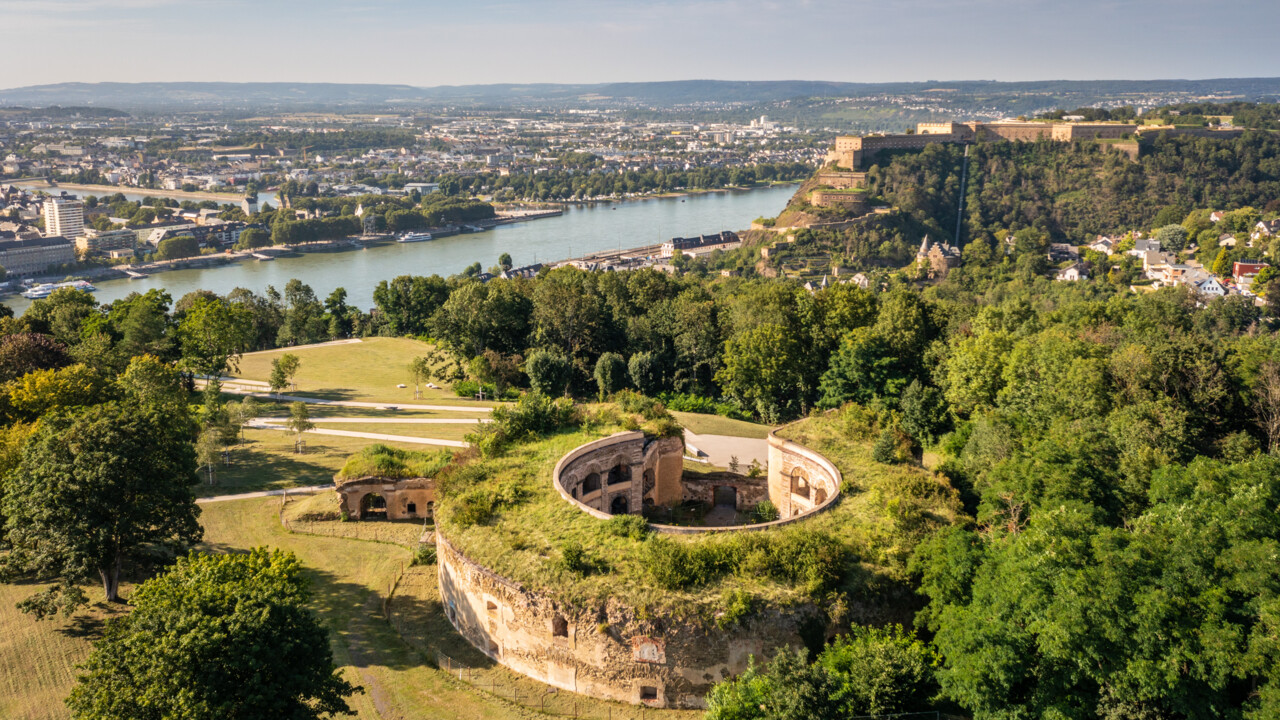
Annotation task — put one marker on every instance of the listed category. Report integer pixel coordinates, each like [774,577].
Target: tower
[63,217]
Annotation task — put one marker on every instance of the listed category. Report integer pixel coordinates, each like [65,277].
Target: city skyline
[572,41]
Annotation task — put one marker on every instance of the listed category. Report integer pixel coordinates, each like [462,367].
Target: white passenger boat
[414,237]
[46,289]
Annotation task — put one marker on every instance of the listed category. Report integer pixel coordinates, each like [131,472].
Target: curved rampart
[604,650]
[801,481]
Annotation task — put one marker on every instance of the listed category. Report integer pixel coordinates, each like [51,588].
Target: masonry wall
[800,480]
[604,650]
[406,499]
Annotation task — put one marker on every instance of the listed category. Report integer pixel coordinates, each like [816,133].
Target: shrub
[885,449]
[383,461]
[627,526]
[764,512]
[479,505]
[533,415]
[573,558]
[737,606]
[466,388]
[425,555]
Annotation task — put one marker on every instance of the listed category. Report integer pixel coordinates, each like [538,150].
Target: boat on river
[414,237]
[44,290]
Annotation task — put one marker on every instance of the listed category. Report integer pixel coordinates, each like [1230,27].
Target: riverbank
[580,230]
[229,198]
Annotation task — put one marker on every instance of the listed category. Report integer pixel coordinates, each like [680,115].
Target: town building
[96,242]
[63,217]
[1074,273]
[937,259]
[23,258]
[697,245]
[1246,268]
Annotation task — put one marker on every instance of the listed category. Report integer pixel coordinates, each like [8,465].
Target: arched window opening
[618,506]
[373,507]
[800,483]
[559,626]
[591,483]
[619,474]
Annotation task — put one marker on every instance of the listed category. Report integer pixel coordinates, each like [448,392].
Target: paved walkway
[366,435]
[354,403]
[720,449]
[349,341]
[266,493]
[383,421]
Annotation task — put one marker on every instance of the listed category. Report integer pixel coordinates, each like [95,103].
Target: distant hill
[231,96]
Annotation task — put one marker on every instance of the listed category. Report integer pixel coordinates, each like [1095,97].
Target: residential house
[1074,273]
[1246,268]
[1103,244]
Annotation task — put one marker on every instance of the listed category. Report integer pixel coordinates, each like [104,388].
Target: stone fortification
[853,152]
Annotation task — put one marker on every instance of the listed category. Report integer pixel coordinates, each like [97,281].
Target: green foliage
[176,248]
[478,506]
[881,671]
[610,374]
[764,511]
[424,555]
[120,492]
[383,461]
[573,558]
[549,372]
[632,527]
[533,415]
[217,635]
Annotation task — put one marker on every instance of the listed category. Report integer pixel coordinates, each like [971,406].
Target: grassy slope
[266,461]
[703,424]
[38,659]
[367,371]
[523,542]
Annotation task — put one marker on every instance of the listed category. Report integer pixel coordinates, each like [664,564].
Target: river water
[581,230]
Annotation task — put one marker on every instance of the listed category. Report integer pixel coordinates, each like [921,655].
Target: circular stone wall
[606,649]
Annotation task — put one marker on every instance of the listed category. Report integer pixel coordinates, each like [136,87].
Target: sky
[429,42]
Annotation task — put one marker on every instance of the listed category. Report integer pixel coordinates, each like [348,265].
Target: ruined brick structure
[366,498]
[604,648]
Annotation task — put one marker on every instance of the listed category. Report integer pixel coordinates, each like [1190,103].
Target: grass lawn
[366,371]
[271,408]
[38,658]
[439,432]
[266,461]
[703,424]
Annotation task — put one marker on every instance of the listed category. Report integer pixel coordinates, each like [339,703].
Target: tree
[119,493]
[1173,238]
[278,380]
[299,419]
[215,637]
[504,260]
[610,374]
[44,391]
[420,369]
[209,450]
[304,321]
[22,353]
[213,333]
[761,370]
[548,372]
[253,237]
[289,364]
[241,413]
[148,380]
[176,248]
[339,313]
[924,412]
[408,302]
[881,671]
[1267,400]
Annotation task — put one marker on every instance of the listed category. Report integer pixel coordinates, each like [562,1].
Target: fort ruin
[605,648]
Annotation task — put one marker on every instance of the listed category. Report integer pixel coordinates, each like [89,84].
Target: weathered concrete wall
[604,651]
[625,469]
[800,480]
[749,491]
[409,499]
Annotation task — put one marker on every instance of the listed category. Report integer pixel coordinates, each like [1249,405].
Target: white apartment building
[63,218]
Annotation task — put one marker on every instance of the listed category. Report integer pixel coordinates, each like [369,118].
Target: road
[266,493]
[721,449]
[365,435]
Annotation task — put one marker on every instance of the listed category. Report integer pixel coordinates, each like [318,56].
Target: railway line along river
[582,229]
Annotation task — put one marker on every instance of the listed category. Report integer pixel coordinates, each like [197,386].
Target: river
[581,230]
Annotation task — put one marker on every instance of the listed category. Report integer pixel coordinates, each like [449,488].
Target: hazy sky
[428,42]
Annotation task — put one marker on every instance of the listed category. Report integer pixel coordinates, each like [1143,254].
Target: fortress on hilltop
[852,152]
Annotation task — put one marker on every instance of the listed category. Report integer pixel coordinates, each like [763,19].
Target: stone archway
[618,506]
[373,507]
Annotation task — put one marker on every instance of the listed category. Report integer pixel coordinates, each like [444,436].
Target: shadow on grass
[256,467]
